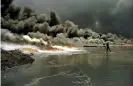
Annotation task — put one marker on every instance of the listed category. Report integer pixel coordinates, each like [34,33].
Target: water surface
[95,68]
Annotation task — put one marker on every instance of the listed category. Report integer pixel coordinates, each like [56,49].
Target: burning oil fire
[34,49]
[52,48]
[30,49]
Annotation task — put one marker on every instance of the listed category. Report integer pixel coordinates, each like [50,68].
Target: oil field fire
[35,49]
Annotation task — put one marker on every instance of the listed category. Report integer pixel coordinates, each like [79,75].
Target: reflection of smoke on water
[76,76]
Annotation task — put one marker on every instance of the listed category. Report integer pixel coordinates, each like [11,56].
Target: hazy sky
[79,11]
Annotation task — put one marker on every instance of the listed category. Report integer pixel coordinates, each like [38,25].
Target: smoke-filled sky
[116,16]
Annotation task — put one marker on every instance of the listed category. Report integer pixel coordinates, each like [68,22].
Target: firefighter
[107,47]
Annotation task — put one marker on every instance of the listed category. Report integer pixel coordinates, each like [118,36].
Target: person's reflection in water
[107,57]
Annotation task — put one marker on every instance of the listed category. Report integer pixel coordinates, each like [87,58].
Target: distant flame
[54,49]
[70,46]
[30,49]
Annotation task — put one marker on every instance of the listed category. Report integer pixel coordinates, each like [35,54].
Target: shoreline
[100,45]
[13,58]
[10,46]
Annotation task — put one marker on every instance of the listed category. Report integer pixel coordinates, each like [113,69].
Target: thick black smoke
[4,6]
[114,16]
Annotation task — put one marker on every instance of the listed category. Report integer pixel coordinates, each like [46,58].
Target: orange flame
[54,49]
[30,49]
[70,46]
